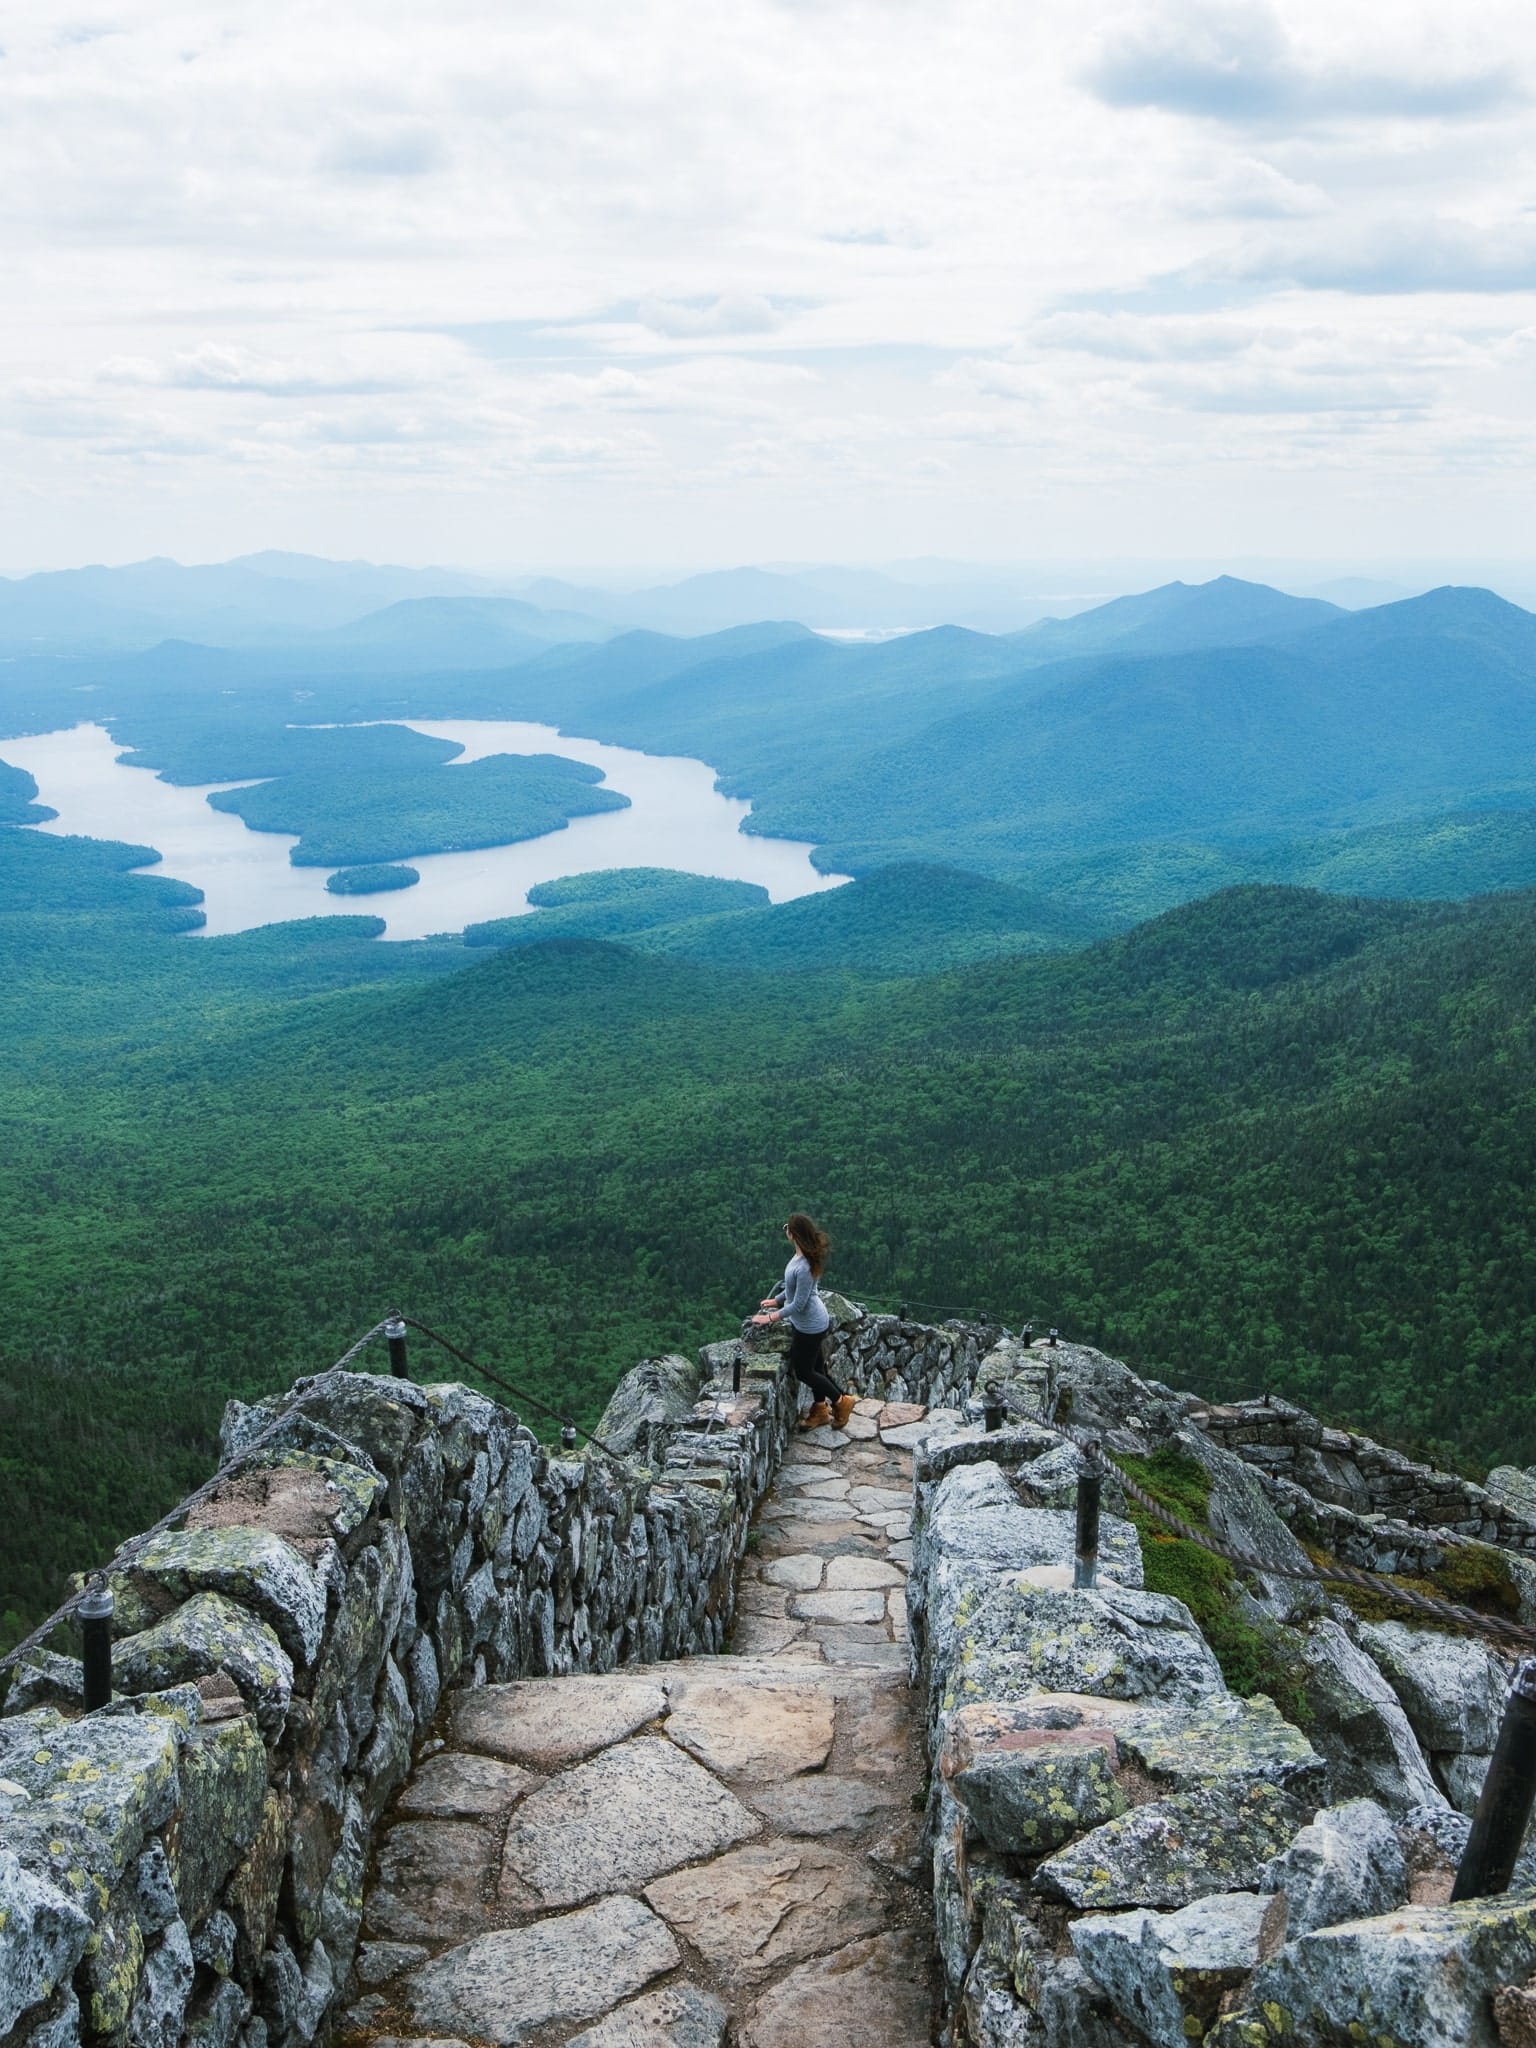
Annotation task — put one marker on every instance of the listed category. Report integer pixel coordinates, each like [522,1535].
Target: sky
[657,284]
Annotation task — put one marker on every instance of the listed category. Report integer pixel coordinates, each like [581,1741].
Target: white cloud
[1235,61]
[230,367]
[731,313]
[1145,338]
[752,272]
[1408,254]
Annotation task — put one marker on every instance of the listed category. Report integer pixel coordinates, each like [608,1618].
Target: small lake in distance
[676,819]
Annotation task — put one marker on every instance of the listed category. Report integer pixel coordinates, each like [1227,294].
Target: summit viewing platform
[1041,1704]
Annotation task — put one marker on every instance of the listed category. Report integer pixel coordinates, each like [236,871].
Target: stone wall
[1126,1851]
[186,1865]
[943,1366]
[1123,1849]
[1343,1469]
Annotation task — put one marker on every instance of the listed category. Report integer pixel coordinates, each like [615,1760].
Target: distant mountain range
[1110,765]
[277,599]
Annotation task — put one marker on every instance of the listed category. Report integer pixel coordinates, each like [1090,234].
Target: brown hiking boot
[816,1416]
[842,1408]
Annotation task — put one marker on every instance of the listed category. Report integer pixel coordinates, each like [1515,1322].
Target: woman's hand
[769,1301]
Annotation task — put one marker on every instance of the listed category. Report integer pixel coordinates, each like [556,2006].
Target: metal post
[394,1335]
[1055,1333]
[1504,1804]
[901,1311]
[736,1374]
[568,1438]
[95,1613]
[993,1411]
[1090,1486]
[1027,1334]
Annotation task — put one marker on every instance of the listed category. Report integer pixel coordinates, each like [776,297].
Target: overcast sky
[664,284]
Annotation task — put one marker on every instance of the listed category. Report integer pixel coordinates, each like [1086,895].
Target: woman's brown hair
[808,1239]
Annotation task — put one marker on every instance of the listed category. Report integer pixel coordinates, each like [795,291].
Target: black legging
[805,1364]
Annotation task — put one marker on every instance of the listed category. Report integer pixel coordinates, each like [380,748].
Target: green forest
[1083,1041]
[1273,1139]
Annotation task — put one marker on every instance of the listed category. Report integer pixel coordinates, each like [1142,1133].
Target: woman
[796,1301]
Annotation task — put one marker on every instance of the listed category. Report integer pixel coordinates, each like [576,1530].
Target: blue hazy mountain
[261,597]
[1364,722]
[1422,632]
[821,595]
[1178,618]
[454,633]
[720,598]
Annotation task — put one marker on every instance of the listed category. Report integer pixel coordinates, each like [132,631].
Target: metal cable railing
[1515,1634]
[127,1552]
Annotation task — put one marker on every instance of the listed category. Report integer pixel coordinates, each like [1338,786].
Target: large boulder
[1221,1738]
[1024,1375]
[1424,1975]
[1214,1838]
[1167,1973]
[251,1567]
[1029,1787]
[1360,1728]
[208,1634]
[1016,1640]
[1452,1688]
[651,1394]
[1514,1489]
[43,1933]
[1099,1394]
[1240,1516]
[975,1513]
[1347,1865]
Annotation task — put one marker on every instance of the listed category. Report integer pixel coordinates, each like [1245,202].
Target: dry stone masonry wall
[1124,1849]
[187,1865]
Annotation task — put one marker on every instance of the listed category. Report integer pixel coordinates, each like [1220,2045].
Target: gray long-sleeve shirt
[804,1308]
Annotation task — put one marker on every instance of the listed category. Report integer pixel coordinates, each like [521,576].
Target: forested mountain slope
[1273,1139]
[1129,761]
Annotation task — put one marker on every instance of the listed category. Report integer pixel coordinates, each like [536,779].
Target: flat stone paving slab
[843,1646]
[861,1574]
[801,1507]
[503,1987]
[875,1993]
[771,1903]
[823,1804]
[759,1597]
[838,1607]
[765,1635]
[801,1573]
[678,2016]
[535,1722]
[434,1877]
[752,1731]
[620,1819]
[460,1785]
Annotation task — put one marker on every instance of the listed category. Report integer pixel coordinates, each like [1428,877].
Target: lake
[676,819]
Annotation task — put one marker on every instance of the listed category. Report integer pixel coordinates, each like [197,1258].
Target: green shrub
[1254,1655]
[1473,1575]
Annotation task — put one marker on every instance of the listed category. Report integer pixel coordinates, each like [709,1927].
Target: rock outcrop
[1224,1873]
[334,1696]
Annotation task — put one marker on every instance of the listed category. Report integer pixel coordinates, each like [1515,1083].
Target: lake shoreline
[676,819]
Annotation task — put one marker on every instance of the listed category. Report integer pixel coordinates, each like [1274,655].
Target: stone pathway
[724,1850]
